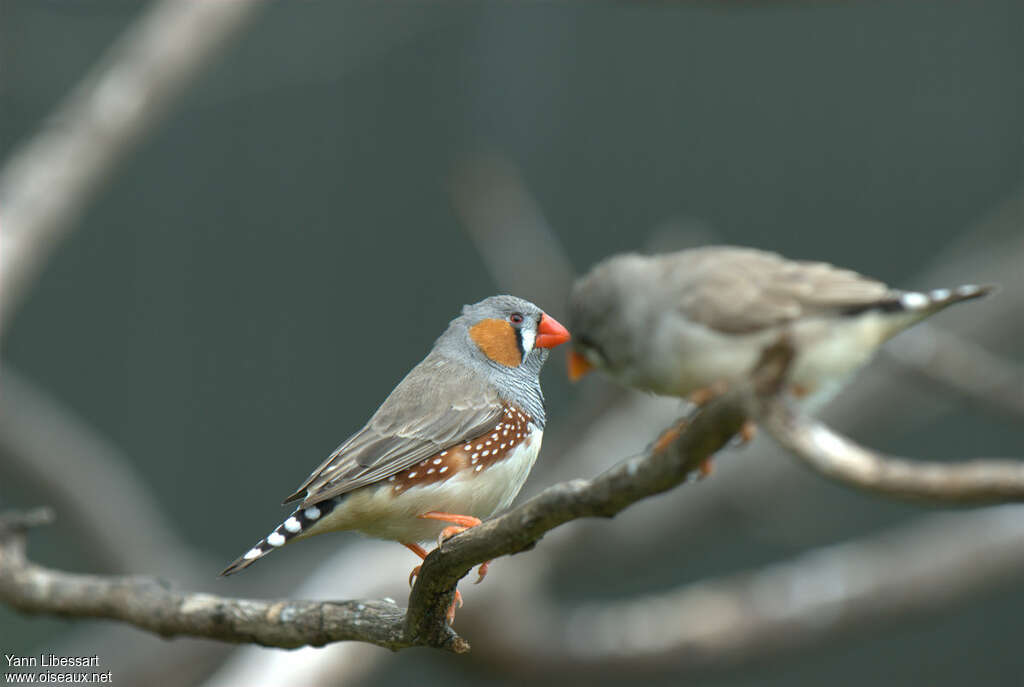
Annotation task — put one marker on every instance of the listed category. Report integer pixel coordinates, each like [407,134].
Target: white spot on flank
[939,294]
[412,474]
[252,553]
[276,539]
[913,300]
[504,433]
[443,470]
[467,447]
[487,443]
[503,446]
[485,454]
[494,436]
[474,457]
[443,453]
[292,525]
[430,471]
[312,513]
[479,446]
[438,461]
[478,467]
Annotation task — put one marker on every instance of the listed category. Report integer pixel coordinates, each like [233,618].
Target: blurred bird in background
[691,323]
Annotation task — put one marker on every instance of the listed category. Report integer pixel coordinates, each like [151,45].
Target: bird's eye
[515,318]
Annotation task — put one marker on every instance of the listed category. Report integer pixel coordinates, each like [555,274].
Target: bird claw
[702,397]
[457,601]
[449,532]
[482,572]
[414,574]
[705,469]
[748,431]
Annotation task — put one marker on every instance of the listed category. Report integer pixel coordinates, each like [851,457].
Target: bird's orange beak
[578,366]
[550,333]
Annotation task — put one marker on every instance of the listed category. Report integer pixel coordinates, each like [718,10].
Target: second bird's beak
[578,366]
[550,333]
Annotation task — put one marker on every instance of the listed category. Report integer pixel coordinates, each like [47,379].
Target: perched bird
[452,443]
[688,323]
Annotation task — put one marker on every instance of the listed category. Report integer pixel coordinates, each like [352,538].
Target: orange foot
[419,551]
[704,396]
[671,434]
[462,523]
[748,431]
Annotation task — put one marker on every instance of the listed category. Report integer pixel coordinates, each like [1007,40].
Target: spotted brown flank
[497,340]
[476,455]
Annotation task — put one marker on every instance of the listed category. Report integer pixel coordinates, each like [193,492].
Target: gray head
[603,324]
[507,339]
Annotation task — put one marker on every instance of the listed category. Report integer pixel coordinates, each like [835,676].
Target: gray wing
[742,290]
[439,404]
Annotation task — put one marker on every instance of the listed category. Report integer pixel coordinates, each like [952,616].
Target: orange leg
[703,396]
[421,552]
[748,431]
[462,523]
[465,520]
[671,434]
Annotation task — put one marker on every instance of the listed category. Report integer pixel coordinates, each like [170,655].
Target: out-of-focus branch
[507,226]
[961,366]
[839,458]
[45,445]
[52,176]
[151,605]
[816,597]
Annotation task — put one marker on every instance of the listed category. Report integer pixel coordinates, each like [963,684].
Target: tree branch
[840,459]
[934,562]
[47,180]
[153,606]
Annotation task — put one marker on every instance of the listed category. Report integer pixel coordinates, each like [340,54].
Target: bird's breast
[476,477]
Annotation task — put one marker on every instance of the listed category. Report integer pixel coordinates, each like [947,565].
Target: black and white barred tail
[297,523]
[923,302]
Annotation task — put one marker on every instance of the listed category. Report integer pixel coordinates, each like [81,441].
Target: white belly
[374,510]
[685,358]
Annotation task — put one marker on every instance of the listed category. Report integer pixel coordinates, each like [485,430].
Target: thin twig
[839,458]
[813,598]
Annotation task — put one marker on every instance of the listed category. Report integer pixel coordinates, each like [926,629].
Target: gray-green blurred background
[271,259]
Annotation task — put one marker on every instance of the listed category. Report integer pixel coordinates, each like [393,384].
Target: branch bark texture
[154,606]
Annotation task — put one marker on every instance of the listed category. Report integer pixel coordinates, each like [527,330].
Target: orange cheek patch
[497,340]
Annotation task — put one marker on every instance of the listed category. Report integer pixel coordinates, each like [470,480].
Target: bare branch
[47,181]
[603,496]
[507,226]
[813,598]
[72,467]
[839,458]
[962,366]
[152,605]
